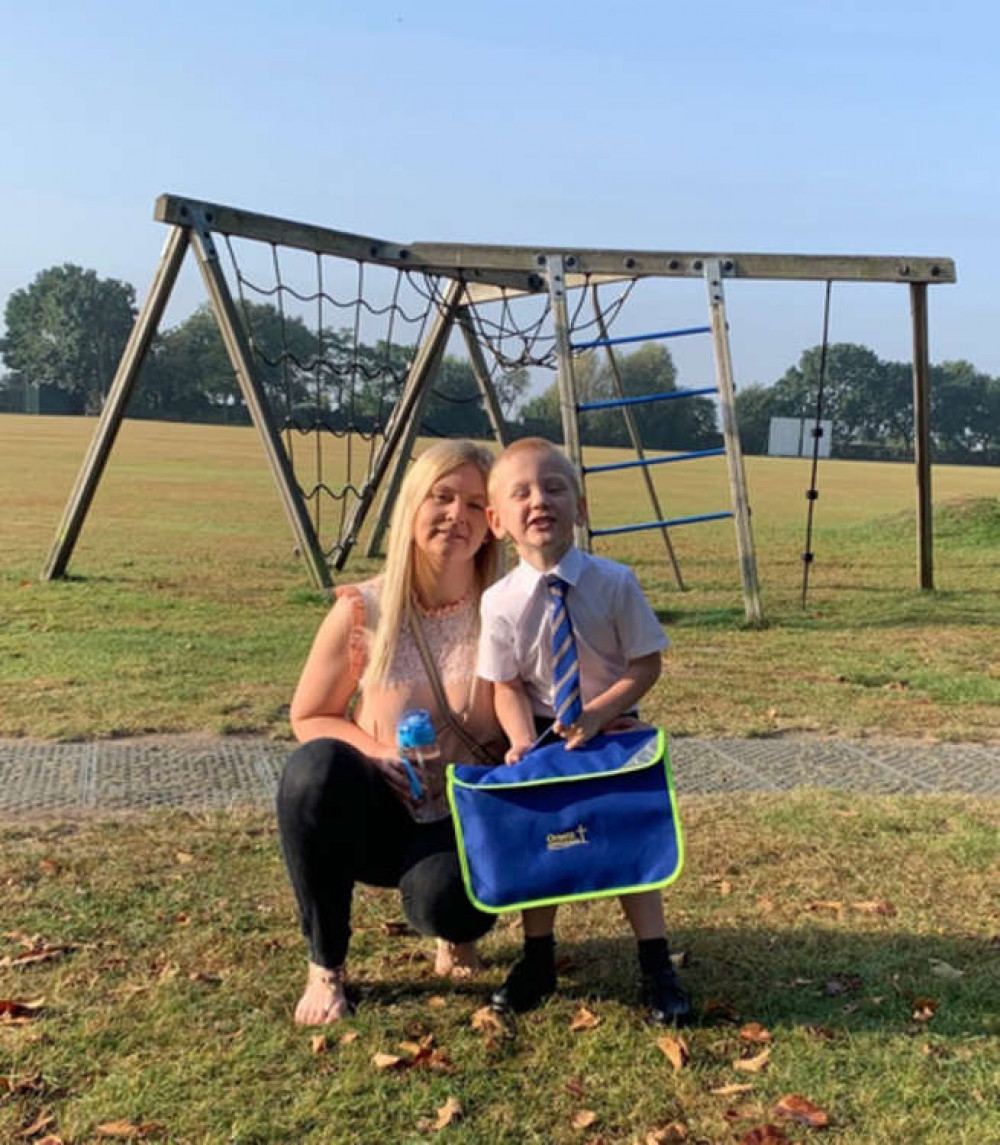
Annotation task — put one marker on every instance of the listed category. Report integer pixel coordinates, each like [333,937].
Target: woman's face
[451,522]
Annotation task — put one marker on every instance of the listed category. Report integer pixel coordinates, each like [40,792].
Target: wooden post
[136,349]
[734,452]
[567,380]
[401,419]
[922,434]
[241,358]
[439,339]
[480,369]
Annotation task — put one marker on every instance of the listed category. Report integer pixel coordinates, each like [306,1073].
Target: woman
[344,798]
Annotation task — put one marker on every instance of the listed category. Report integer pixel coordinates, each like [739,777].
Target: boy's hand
[515,752]
[577,734]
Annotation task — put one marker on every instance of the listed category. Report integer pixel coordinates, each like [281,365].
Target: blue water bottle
[421,755]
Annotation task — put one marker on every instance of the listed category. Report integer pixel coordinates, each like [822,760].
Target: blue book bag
[564,825]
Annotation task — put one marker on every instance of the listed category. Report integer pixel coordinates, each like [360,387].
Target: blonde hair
[397,585]
[536,445]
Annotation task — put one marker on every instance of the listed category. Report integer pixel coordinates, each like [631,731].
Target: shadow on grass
[807,977]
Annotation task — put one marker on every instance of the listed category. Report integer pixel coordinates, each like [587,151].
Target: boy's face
[533,501]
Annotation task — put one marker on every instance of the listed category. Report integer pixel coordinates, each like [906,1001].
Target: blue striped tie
[565,663]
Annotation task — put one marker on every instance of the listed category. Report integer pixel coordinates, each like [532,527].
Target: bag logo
[560,840]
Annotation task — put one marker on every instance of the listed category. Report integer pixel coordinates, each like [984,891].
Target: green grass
[186,609]
[171,1003]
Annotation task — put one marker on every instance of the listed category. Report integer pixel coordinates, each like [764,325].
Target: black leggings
[340,824]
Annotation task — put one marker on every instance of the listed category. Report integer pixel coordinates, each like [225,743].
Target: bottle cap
[415,729]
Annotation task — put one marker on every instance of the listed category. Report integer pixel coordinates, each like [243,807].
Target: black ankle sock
[540,952]
[654,955]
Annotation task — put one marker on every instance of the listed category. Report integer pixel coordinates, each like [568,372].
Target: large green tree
[68,329]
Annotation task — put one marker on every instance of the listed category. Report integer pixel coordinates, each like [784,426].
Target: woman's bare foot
[324,999]
[456,959]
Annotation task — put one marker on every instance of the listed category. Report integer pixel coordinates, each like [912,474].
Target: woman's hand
[393,771]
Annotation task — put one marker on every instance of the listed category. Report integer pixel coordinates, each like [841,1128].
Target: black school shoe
[666,1001]
[525,987]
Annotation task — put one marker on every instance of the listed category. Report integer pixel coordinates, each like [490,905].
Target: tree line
[65,333]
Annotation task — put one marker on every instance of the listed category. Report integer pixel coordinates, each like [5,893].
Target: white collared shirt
[612,623]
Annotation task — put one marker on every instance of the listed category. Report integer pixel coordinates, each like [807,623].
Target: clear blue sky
[803,126]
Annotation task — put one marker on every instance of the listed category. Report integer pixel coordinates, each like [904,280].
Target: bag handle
[480,753]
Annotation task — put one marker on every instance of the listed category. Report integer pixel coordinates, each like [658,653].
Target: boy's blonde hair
[536,445]
[397,586]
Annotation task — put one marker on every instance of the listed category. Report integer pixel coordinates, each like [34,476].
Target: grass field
[842,951]
[186,609]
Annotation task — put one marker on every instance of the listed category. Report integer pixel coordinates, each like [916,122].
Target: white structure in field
[792,437]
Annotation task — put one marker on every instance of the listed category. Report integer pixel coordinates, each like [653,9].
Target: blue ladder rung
[652,460]
[659,524]
[666,396]
[641,337]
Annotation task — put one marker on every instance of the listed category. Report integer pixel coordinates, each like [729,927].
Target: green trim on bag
[662,756]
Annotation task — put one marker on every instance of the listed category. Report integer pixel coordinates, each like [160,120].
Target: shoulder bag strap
[478,752]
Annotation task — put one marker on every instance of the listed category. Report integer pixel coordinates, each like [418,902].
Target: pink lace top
[451,633]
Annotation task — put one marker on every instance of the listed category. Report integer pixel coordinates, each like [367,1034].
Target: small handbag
[560,826]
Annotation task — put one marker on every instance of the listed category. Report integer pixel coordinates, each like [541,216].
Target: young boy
[608,655]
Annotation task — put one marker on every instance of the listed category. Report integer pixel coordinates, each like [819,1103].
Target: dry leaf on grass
[584,1019]
[672,1134]
[350,1036]
[486,1020]
[584,1119]
[16,1013]
[319,1043]
[388,1061]
[184,857]
[732,1090]
[924,1009]
[832,905]
[801,1109]
[40,1122]
[754,1064]
[127,1130]
[49,1139]
[449,1112]
[675,1049]
[436,1001]
[755,1032]
[875,906]
[764,1135]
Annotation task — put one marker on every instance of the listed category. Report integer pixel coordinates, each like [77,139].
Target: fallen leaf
[48,1139]
[801,1109]
[584,1119]
[764,1135]
[755,1032]
[675,1049]
[447,1113]
[48,866]
[584,1019]
[943,970]
[731,1090]
[435,1001]
[670,1134]
[754,1064]
[319,1043]
[184,857]
[825,904]
[575,1088]
[15,1013]
[350,1036]
[875,906]
[487,1021]
[680,959]
[388,1061]
[725,887]
[126,1130]
[924,1009]
[40,1122]
[720,1009]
